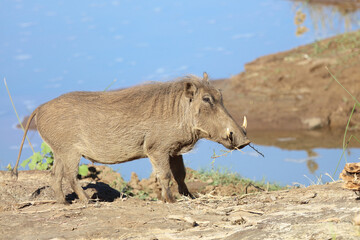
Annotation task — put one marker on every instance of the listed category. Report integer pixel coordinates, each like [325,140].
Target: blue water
[48,48]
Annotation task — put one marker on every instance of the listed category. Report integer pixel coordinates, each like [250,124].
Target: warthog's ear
[205,77]
[190,89]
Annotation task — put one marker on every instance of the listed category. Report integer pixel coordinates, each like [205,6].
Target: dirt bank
[27,211]
[292,90]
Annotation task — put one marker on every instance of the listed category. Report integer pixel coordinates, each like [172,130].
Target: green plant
[44,160]
[83,170]
[225,177]
[8,167]
[40,160]
[124,189]
[317,48]
[143,195]
[110,85]
[120,185]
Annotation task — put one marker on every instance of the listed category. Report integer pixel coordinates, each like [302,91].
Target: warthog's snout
[237,137]
[247,142]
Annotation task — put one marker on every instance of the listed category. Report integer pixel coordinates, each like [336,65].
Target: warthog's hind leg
[179,172]
[71,169]
[57,176]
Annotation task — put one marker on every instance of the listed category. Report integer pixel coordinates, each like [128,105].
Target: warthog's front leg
[179,172]
[161,166]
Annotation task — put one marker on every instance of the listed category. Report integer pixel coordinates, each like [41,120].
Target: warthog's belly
[115,160]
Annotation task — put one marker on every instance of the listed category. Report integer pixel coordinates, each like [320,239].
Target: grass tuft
[223,177]
[17,115]
[346,142]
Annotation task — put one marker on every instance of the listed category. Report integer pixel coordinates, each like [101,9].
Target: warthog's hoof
[185,192]
[190,195]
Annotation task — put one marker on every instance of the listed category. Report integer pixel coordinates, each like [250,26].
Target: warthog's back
[109,127]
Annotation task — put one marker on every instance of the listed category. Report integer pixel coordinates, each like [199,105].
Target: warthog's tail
[15,170]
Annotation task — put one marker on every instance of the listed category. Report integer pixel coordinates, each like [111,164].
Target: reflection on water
[312,166]
[299,20]
[302,140]
[309,142]
[311,163]
[328,16]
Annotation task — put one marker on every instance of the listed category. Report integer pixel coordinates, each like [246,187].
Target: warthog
[160,121]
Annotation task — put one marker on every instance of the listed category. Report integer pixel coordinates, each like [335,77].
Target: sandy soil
[27,211]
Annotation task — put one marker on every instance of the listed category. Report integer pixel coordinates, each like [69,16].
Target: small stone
[356,220]
[313,123]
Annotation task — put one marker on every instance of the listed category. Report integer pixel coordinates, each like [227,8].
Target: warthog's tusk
[244,123]
[228,132]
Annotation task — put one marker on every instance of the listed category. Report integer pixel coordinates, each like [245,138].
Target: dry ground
[317,212]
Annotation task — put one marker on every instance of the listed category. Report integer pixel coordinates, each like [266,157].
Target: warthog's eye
[207,99]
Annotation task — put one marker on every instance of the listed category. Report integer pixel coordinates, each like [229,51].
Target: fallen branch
[250,184]
[250,211]
[34,203]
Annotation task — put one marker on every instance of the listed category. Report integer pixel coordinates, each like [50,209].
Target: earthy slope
[293,91]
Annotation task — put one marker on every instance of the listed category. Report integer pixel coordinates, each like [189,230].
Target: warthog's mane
[158,91]
[155,98]
[176,84]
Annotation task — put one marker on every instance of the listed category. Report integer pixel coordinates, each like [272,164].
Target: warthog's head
[210,119]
